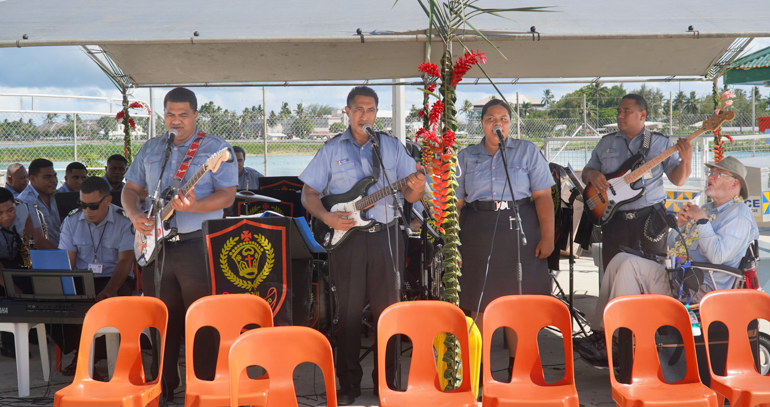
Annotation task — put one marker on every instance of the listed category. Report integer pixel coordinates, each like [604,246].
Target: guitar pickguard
[338,235]
[145,247]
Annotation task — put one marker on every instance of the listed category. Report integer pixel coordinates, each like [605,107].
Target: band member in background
[73,176]
[114,171]
[184,277]
[39,197]
[363,263]
[15,224]
[482,195]
[640,221]
[248,178]
[16,179]
[97,236]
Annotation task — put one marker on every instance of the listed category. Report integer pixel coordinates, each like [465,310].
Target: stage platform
[593,384]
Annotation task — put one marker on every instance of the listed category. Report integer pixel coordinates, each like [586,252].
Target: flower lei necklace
[690,234]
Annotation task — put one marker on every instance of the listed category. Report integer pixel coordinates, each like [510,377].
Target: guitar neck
[167,210]
[649,165]
[371,199]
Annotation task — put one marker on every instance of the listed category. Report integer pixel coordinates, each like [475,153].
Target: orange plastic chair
[128,386]
[228,314]
[528,386]
[643,315]
[422,321]
[742,385]
[279,350]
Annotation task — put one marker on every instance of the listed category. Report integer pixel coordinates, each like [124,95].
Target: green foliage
[303,126]
[337,128]
[317,109]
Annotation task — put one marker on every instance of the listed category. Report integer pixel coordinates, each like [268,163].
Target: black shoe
[593,349]
[346,395]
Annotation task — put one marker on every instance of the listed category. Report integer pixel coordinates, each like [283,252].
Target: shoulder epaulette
[657,133]
[610,134]
[121,211]
[74,211]
[17,201]
[387,134]
[333,137]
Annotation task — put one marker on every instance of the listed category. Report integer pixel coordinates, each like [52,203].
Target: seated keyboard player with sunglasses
[97,236]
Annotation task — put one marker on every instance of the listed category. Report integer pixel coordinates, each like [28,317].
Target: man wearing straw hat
[719,232]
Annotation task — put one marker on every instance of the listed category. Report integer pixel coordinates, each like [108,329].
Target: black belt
[181,237]
[497,205]
[638,213]
[379,226]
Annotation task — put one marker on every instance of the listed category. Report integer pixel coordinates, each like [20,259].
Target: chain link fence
[290,141]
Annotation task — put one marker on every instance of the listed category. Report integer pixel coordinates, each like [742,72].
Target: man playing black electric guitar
[364,262]
[639,221]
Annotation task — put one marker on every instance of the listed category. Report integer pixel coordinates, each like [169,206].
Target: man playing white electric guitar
[182,266]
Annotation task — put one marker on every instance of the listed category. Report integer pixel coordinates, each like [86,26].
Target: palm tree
[678,102]
[300,111]
[691,104]
[49,118]
[525,108]
[467,110]
[547,100]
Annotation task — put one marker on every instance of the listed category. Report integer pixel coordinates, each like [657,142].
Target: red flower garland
[430,69]
[465,63]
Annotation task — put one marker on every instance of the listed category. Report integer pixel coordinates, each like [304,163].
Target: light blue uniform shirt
[13,191]
[63,188]
[112,236]
[482,175]
[341,163]
[122,184]
[723,241]
[146,168]
[8,245]
[614,149]
[249,179]
[50,214]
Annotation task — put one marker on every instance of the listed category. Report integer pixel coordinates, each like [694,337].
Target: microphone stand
[375,148]
[155,210]
[522,240]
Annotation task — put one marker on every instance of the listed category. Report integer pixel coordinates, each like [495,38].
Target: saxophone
[26,259]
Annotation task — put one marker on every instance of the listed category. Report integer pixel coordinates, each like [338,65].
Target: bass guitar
[355,201]
[146,247]
[601,206]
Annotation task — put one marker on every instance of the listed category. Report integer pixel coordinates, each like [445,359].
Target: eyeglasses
[92,206]
[719,174]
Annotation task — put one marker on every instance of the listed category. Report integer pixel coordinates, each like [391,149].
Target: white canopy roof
[248,41]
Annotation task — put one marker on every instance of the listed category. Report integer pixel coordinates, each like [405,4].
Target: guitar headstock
[216,160]
[716,121]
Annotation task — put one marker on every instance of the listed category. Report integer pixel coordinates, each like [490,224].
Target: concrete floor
[593,384]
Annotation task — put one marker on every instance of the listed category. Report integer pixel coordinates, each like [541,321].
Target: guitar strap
[646,141]
[185,164]
[375,161]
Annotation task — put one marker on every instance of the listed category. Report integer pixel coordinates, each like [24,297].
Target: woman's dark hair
[496,102]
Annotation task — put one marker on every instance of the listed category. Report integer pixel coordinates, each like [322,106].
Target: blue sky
[68,71]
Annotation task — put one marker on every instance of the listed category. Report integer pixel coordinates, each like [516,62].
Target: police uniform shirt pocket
[85,251]
[152,165]
[108,252]
[610,159]
[343,176]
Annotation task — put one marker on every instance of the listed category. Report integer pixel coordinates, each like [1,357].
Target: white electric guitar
[146,247]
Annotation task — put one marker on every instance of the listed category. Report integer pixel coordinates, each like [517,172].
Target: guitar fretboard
[167,209]
[712,123]
[371,199]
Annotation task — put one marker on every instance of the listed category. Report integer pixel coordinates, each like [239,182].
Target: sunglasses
[92,206]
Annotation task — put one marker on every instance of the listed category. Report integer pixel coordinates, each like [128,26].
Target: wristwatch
[702,221]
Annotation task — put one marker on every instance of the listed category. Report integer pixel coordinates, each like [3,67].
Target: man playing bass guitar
[639,221]
[365,262]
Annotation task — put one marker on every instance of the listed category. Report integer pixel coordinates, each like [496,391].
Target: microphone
[171,136]
[370,131]
[499,131]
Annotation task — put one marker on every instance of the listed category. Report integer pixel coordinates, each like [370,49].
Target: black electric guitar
[601,206]
[355,201]
[146,247]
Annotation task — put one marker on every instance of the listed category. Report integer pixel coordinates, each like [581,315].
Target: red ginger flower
[464,64]
[430,69]
[449,139]
[435,112]
[121,114]
[431,87]
[132,123]
[427,135]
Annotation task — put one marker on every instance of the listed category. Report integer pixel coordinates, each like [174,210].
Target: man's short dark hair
[93,184]
[181,95]
[117,157]
[496,102]
[75,166]
[237,150]
[5,195]
[641,102]
[38,164]
[363,91]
